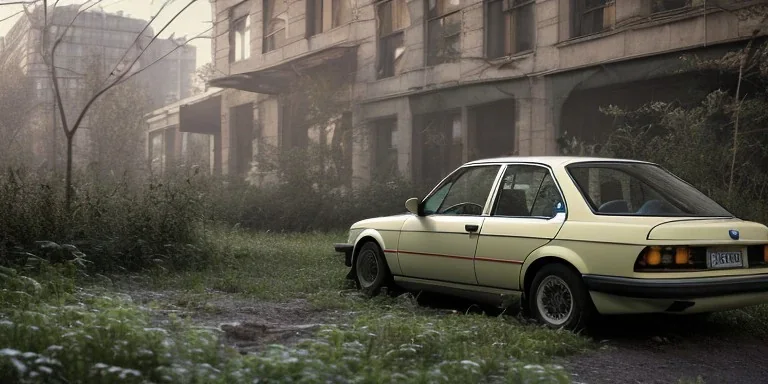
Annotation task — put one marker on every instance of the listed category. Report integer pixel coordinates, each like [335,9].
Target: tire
[569,292]
[371,270]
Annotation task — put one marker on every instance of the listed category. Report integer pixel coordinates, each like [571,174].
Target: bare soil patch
[667,349]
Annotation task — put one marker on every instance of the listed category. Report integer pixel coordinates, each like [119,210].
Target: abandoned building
[429,84]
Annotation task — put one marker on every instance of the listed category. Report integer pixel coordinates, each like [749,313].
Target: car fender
[387,243]
[555,251]
[372,233]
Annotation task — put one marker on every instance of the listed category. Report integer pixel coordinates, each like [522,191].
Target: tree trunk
[68,181]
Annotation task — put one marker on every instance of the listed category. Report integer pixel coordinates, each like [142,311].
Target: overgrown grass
[54,332]
[271,266]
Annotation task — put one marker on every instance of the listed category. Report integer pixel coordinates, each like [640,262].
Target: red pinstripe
[456,257]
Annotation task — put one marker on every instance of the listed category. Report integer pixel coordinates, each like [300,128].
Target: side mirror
[412,205]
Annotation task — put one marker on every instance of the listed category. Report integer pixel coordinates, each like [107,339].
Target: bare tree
[122,72]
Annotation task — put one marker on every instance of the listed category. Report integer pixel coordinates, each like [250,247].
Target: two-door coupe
[575,235]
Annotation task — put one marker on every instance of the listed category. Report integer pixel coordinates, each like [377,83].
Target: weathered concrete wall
[472,79]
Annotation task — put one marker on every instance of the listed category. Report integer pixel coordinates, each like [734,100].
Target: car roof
[553,160]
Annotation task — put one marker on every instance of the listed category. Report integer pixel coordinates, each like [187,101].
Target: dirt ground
[666,349]
[650,349]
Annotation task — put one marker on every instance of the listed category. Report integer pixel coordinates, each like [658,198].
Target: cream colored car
[574,235]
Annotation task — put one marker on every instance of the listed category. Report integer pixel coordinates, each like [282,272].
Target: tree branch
[30,2]
[122,76]
[11,16]
[136,41]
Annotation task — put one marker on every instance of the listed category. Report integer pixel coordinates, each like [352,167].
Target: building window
[510,27]
[443,30]
[275,20]
[323,15]
[393,17]
[668,5]
[593,16]
[439,137]
[240,33]
[385,151]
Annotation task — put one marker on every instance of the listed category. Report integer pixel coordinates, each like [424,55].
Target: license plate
[719,259]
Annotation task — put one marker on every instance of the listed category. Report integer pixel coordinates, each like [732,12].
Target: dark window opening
[438,145]
[593,16]
[241,141]
[492,130]
[385,148]
[668,5]
[393,18]
[275,20]
[324,15]
[443,31]
[510,27]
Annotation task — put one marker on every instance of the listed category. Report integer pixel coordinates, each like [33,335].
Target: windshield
[638,189]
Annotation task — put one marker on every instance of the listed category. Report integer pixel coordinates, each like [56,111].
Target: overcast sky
[194,20]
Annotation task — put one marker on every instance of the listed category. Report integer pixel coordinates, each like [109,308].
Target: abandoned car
[575,236]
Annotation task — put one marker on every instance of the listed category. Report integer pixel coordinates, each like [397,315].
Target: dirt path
[645,349]
[662,349]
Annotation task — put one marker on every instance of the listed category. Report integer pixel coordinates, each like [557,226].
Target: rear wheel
[371,269]
[558,298]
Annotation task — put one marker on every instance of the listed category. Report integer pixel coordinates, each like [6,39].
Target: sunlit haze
[195,20]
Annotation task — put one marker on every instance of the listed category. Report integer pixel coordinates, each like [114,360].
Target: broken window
[668,5]
[240,33]
[510,27]
[393,18]
[385,148]
[275,20]
[593,16]
[323,15]
[443,30]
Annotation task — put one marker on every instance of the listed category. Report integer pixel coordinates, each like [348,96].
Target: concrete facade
[463,94]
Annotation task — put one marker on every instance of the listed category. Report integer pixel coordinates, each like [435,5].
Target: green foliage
[118,226]
[698,142]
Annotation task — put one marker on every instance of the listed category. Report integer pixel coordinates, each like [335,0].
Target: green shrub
[119,225]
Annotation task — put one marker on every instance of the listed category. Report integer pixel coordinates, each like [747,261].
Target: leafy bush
[302,207]
[117,224]
[718,144]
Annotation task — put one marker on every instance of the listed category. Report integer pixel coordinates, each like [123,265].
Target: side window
[527,191]
[464,194]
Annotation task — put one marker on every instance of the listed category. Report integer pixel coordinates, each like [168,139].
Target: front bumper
[692,288]
[346,249]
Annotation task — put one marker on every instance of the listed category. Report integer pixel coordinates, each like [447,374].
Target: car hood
[384,223]
[708,229]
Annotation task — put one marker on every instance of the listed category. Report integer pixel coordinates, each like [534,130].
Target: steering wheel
[461,208]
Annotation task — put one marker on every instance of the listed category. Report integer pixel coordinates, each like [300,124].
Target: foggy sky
[193,21]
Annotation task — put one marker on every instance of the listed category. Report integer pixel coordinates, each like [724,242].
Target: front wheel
[371,269]
[559,299]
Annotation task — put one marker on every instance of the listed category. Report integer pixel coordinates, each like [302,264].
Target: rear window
[639,189]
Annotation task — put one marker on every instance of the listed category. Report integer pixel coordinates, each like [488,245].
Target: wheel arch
[372,235]
[548,255]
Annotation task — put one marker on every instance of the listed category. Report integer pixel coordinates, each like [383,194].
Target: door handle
[471,227]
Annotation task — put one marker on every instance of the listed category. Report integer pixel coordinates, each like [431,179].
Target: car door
[440,243]
[528,210]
